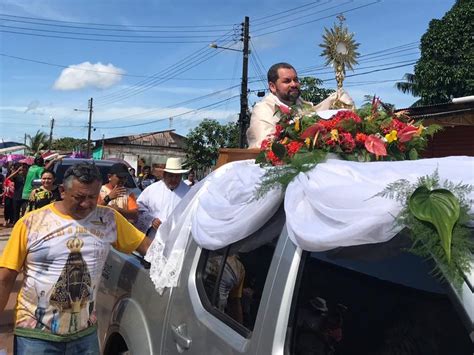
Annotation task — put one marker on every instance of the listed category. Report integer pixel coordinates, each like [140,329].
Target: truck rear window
[380,302]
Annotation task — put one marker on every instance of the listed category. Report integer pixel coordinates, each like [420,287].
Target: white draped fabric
[330,206]
[334,205]
[219,210]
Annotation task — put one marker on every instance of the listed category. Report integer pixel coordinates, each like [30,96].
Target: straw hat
[174,166]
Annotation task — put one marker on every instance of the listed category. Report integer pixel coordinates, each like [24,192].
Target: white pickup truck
[369,299]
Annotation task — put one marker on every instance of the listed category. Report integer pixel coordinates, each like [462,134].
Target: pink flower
[284,109]
[407,133]
[375,145]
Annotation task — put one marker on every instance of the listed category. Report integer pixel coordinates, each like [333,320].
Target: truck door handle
[180,335]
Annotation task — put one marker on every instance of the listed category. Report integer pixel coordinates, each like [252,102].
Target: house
[142,149]
[12,148]
[456,118]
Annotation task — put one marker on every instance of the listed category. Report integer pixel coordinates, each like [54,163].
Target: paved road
[6,317]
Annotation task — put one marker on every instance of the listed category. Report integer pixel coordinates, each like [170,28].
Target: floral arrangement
[436,214]
[374,132]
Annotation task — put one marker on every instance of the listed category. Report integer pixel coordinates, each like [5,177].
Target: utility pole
[243,116]
[89,129]
[51,133]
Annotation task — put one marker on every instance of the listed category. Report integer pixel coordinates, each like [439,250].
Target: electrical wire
[194,30]
[115,25]
[315,20]
[175,116]
[174,105]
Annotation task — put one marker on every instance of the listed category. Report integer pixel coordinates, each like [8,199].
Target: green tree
[68,143]
[446,65]
[310,90]
[203,143]
[37,142]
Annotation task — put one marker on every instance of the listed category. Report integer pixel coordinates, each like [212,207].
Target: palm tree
[409,86]
[37,142]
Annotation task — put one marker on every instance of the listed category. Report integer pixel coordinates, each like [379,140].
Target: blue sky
[138,87]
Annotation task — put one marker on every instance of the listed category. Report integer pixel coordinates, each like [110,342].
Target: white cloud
[86,74]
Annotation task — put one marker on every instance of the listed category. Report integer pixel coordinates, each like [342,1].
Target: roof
[167,138]
[7,147]
[10,144]
[460,109]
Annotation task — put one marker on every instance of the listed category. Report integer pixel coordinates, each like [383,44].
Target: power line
[279,23]
[175,116]
[193,30]
[373,71]
[174,105]
[286,12]
[315,20]
[141,89]
[182,66]
[106,35]
[100,39]
[115,25]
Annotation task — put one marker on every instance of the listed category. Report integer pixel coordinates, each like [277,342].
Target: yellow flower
[420,130]
[334,135]
[392,136]
[307,141]
[285,140]
[297,124]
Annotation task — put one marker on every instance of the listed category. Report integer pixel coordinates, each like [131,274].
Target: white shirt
[264,119]
[158,201]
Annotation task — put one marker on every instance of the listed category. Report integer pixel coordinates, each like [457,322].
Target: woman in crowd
[18,178]
[45,194]
[8,189]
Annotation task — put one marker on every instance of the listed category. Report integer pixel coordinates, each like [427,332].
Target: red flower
[407,133]
[284,109]
[360,138]
[278,130]
[347,142]
[375,145]
[311,131]
[273,158]
[347,115]
[293,147]
[265,144]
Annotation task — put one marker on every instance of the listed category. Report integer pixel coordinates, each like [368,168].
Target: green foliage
[278,177]
[438,207]
[311,90]
[203,143]
[427,242]
[68,143]
[446,66]
[36,142]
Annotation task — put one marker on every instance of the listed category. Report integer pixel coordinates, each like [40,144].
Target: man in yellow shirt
[61,250]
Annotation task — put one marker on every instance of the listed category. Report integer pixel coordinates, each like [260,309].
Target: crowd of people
[17,194]
[62,242]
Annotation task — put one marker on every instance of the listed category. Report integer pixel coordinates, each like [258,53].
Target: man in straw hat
[159,199]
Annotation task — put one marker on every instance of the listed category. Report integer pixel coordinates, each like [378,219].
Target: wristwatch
[107,199]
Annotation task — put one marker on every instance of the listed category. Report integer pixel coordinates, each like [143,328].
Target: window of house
[373,299]
[231,280]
